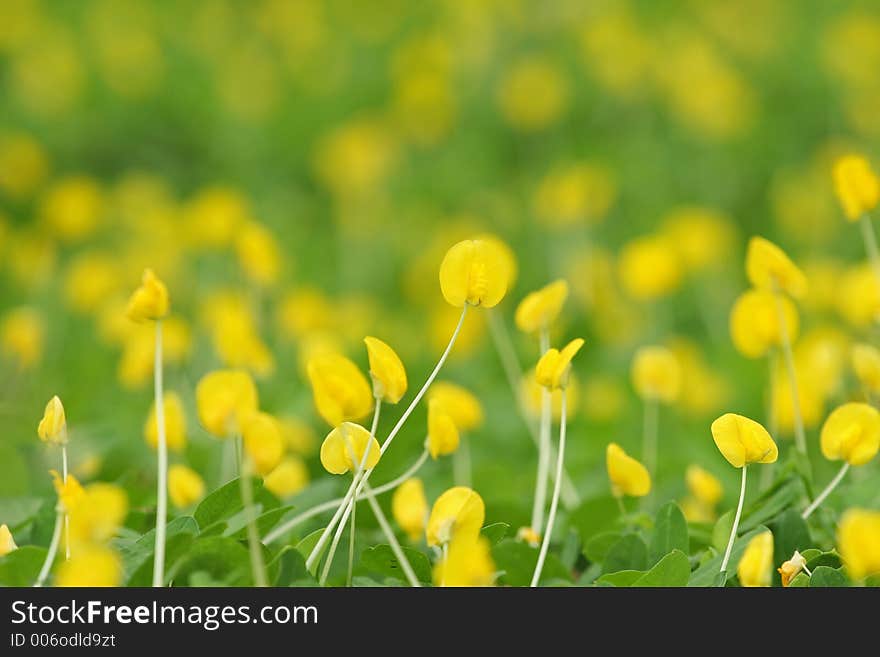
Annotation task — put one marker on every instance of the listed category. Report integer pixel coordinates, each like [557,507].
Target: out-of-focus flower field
[294,172]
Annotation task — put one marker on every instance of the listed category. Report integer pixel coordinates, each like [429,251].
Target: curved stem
[554,503]
[800,439]
[255,548]
[392,539]
[825,493]
[355,490]
[540,500]
[64,470]
[53,548]
[351,534]
[739,508]
[162,465]
[871,244]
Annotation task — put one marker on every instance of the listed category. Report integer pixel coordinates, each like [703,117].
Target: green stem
[739,508]
[255,548]
[161,466]
[53,548]
[825,493]
[554,503]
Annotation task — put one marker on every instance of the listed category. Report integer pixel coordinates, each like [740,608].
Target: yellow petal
[628,476]
[175,423]
[185,486]
[443,435]
[262,441]
[468,562]
[462,405]
[743,441]
[289,478]
[150,300]
[459,511]
[340,390]
[53,425]
[539,309]
[410,507]
[223,399]
[92,566]
[769,268]
[7,543]
[856,185]
[755,326]
[554,368]
[866,363]
[475,272]
[343,449]
[858,541]
[851,433]
[387,371]
[703,485]
[656,374]
[755,566]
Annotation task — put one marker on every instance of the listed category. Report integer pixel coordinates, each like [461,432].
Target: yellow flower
[533,94]
[185,486]
[866,363]
[650,267]
[303,312]
[443,435]
[505,253]
[97,515]
[258,254]
[754,323]
[91,566]
[528,535]
[459,511]
[474,272]
[540,309]
[175,423]
[743,441]
[386,370]
[53,425]
[410,507]
[261,436]
[461,405]
[851,433]
[223,399]
[298,436]
[70,492]
[468,562]
[790,569]
[340,390]
[858,541]
[7,543]
[90,280]
[574,194]
[288,478]
[702,237]
[150,300]
[72,208]
[343,449]
[656,374]
[695,511]
[213,217]
[769,268]
[22,336]
[858,296]
[628,476]
[703,485]
[756,565]
[856,185]
[554,368]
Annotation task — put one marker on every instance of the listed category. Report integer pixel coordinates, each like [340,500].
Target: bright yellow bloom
[858,541]
[743,441]
[554,368]
[533,94]
[7,543]
[656,374]
[755,567]
[754,322]
[462,405]
[628,476]
[175,423]
[539,309]
[386,370]
[790,569]
[150,300]
[53,425]
[288,478]
[769,268]
[703,485]
[866,363]
[97,515]
[70,492]
[533,393]
[856,185]
[443,435]
[261,436]
[223,399]
[72,208]
[343,449]
[468,562]
[298,436]
[702,237]
[474,272]
[22,336]
[185,486]
[459,511]
[340,390]
[851,433]
[410,507]
[258,254]
[504,252]
[91,566]
[650,267]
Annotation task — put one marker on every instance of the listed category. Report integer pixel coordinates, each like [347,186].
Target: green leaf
[708,573]
[307,544]
[18,511]
[823,576]
[790,533]
[784,495]
[629,553]
[594,516]
[801,580]
[225,502]
[222,558]
[599,546]
[816,558]
[381,560]
[517,561]
[22,566]
[721,531]
[291,566]
[670,533]
[495,532]
[672,570]
[236,526]
[621,579]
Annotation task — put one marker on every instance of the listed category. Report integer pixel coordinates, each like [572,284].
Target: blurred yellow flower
[70,492]
[22,336]
[213,217]
[90,280]
[459,512]
[704,486]
[650,267]
[528,535]
[304,311]
[355,157]
[858,296]
[743,441]
[259,255]
[97,515]
[425,106]
[288,478]
[474,272]
[468,562]
[704,238]
[769,268]
[410,507]
[72,208]
[856,185]
[791,568]
[92,566]
[23,165]
[866,364]
[386,370]
[299,437]
[533,392]
[851,433]
[224,398]
[139,348]
[575,194]
[618,51]
[462,405]
[755,566]
[443,435]
[150,300]
[7,543]
[656,374]
[628,476]
[341,392]
[703,391]
[755,326]
[261,438]
[533,94]
[554,368]
[858,541]
[812,401]
[175,423]
[53,425]
[344,448]
[604,398]
[185,486]
[539,309]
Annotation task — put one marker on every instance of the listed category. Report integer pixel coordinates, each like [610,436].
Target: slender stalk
[255,548]
[53,548]
[318,509]
[772,418]
[392,539]
[354,491]
[445,556]
[514,375]
[799,436]
[825,493]
[162,465]
[64,470]
[739,508]
[649,435]
[871,244]
[554,502]
[461,463]
[540,500]
[621,506]
[373,428]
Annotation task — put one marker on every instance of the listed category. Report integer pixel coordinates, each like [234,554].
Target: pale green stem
[53,548]
[444,555]
[64,470]
[373,428]
[620,506]
[554,502]
[392,539]
[540,500]
[255,548]
[871,245]
[739,508]
[162,466]
[356,488]
[799,435]
[825,493]
[649,435]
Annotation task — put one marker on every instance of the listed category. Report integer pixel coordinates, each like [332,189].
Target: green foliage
[670,533]
[823,576]
[382,561]
[517,561]
[22,566]
[629,553]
